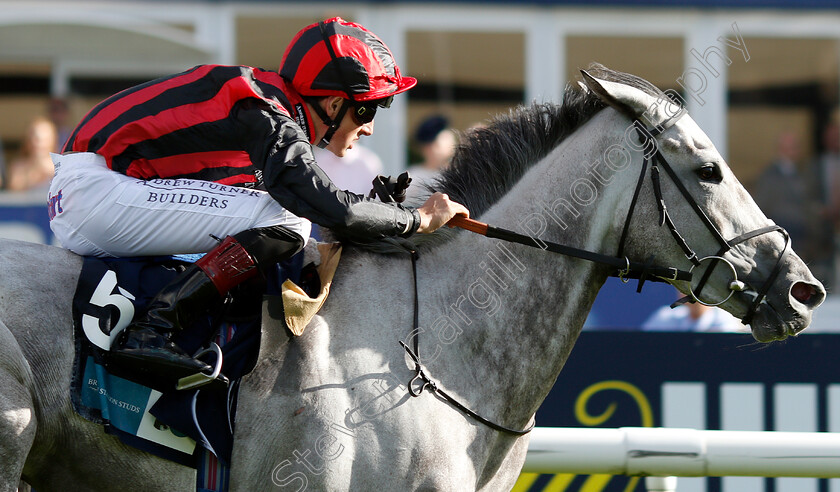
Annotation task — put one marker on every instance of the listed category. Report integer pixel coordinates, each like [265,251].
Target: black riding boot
[146,344]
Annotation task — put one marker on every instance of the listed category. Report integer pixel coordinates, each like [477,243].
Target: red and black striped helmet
[340,58]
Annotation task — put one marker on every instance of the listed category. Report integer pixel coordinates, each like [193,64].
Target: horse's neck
[504,317]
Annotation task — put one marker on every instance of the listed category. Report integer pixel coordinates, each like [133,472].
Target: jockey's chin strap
[426,382]
[331,123]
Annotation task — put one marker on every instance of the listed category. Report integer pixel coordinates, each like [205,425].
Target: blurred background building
[473,59]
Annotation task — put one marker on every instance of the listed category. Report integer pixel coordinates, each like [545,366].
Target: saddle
[182,426]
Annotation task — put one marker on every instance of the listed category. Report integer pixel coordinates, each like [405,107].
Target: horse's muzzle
[788,313]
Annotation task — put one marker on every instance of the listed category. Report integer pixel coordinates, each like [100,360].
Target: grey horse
[333,409]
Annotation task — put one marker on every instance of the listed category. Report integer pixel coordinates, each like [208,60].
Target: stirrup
[200,379]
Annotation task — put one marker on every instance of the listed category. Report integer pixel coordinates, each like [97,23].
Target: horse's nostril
[807,294]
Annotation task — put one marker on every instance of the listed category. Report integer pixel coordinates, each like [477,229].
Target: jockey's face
[349,131]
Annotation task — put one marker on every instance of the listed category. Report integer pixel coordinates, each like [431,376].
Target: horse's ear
[624,98]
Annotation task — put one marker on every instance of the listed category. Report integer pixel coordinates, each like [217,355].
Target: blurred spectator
[59,114]
[785,195]
[33,167]
[436,143]
[694,317]
[354,172]
[825,173]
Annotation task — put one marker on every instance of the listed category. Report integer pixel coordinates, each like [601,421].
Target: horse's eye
[709,172]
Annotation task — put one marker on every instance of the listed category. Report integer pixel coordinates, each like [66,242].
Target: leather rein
[620,265]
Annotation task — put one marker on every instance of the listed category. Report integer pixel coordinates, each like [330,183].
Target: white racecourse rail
[650,451]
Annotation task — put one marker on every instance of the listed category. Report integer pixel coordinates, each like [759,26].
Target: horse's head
[689,203]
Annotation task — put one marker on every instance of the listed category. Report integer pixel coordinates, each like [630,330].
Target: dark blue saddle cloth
[176,425]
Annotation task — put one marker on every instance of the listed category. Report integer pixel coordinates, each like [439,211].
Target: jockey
[172,165]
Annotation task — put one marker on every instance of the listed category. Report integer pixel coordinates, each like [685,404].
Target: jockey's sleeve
[291,175]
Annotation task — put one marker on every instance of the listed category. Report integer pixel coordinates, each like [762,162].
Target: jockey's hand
[437,211]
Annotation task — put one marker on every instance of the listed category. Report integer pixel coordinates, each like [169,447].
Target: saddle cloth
[180,425]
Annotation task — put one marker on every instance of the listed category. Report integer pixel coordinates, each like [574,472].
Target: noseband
[657,161]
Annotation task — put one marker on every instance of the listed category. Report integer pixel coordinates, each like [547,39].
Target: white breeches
[96,211]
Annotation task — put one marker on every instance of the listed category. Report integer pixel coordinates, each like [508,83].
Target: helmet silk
[355,65]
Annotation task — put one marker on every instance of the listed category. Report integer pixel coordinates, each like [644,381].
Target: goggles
[364,112]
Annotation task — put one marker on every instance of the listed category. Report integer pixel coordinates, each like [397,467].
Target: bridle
[657,161]
[621,266]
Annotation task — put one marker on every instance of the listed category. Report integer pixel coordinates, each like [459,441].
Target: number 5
[103,297]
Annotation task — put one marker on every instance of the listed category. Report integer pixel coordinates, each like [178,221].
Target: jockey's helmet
[340,58]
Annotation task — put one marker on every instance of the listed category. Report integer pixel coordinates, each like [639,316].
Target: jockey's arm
[437,211]
[292,176]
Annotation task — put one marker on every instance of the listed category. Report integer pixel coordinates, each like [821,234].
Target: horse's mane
[490,159]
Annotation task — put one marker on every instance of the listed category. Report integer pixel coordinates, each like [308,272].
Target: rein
[625,269]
